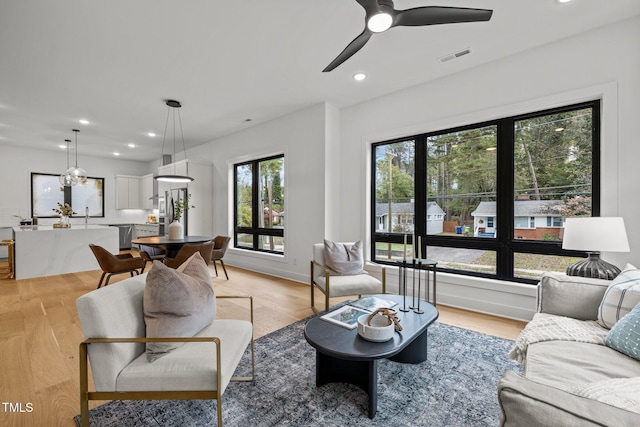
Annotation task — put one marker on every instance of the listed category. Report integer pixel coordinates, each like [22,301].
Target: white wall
[301,138]
[15,174]
[602,64]
[327,153]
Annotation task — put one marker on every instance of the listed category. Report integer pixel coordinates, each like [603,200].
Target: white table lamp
[594,235]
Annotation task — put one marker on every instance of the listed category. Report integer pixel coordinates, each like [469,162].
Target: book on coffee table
[372,303]
[345,316]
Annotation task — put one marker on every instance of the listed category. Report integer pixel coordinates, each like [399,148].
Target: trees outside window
[259,200]
[489,199]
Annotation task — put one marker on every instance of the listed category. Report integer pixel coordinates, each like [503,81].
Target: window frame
[503,244]
[256,231]
[67,195]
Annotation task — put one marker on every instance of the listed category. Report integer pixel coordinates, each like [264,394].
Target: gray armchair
[341,285]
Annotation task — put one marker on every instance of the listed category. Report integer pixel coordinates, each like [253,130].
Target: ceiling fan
[380,16]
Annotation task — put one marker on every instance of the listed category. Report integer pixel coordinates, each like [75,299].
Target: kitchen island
[42,250]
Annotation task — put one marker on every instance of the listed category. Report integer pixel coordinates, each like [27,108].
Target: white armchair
[113,325]
[332,285]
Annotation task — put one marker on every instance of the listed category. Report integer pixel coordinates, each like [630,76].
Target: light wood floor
[40,333]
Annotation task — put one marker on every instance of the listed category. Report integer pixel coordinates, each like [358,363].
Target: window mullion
[504,198]
[420,190]
[255,203]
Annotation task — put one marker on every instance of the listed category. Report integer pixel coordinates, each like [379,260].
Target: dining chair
[151,253]
[116,264]
[220,245]
[189,249]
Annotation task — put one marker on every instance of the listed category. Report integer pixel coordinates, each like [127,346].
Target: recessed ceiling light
[84,121]
[359,76]
[131,145]
[116,154]
[563,1]
[64,147]
[151,134]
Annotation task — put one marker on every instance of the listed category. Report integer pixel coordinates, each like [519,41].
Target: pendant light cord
[164,135]
[184,148]
[67,141]
[76,132]
[175,177]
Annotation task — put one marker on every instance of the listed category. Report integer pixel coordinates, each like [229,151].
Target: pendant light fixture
[173,108]
[79,174]
[66,178]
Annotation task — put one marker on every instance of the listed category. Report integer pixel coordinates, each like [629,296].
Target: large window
[488,199]
[259,200]
[47,192]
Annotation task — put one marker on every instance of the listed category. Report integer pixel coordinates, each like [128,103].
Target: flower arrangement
[180,207]
[64,210]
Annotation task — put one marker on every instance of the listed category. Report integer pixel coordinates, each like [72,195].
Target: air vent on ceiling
[455,55]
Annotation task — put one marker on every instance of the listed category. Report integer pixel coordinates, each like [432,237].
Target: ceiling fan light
[380,22]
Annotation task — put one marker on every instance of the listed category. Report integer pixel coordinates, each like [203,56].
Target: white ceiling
[113,62]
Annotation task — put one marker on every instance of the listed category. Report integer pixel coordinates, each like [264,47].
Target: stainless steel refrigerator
[171,197]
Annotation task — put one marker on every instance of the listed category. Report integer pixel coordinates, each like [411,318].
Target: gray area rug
[455,386]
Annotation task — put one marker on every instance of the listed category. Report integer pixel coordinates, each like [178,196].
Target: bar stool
[9,243]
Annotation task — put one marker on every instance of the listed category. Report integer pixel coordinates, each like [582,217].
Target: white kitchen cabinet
[146,192]
[145,230]
[128,192]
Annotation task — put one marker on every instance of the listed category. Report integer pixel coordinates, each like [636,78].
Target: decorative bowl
[379,329]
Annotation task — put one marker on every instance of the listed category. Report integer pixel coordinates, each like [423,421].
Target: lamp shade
[595,234]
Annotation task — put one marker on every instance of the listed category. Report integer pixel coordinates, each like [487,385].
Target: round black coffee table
[343,356]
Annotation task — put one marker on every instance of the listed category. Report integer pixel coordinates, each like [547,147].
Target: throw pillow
[620,297]
[625,335]
[177,303]
[343,259]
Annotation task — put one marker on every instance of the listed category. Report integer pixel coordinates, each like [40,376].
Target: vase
[176,231]
[63,222]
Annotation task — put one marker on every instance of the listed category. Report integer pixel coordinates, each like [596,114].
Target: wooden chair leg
[108,278]
[225,269]
[101,279]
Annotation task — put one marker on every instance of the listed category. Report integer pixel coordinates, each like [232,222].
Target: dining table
[171,246]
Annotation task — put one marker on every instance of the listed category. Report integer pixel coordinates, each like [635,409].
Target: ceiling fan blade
[369,5]
[348,51]
[433,15]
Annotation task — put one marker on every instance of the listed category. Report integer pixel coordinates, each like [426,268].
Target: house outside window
[554,221]
[497,192]
[259,216]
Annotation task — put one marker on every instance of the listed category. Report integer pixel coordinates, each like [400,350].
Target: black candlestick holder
[416,308]
[402,276]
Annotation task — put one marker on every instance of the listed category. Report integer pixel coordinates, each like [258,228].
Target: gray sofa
[556,372]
